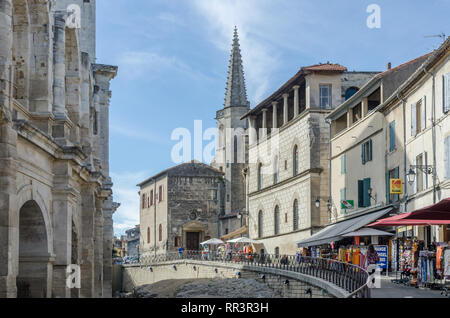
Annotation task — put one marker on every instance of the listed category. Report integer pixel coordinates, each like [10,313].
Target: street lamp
[318,203]
[411,176]
[412,173]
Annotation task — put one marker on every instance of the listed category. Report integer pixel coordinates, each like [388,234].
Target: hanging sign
[347,204]
[396,186]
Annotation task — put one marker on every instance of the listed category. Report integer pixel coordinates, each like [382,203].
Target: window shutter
[370,150]
[366,186]
[446,92]
[424,112]
[363,153]
[425,175]
[343,164]
[392,136]
[413,120]
[447,157]
[360,193]
[415,179]
[388,188]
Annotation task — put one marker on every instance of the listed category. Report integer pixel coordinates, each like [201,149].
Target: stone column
[264,123]
[62,245]
[285,109]
[253,137]
[364,107]
[349,117]
[59,65]
[9,223]
[108,235]
[296,100]
[275,114]
[98,252]
[87,239]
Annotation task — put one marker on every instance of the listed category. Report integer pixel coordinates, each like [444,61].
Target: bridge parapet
[294,274]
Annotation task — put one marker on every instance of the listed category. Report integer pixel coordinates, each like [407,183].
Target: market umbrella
[243,240]
[213,241]
[368,232]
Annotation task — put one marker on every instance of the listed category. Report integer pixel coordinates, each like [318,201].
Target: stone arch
[21,51]
[30,193]
[34,277]
[73,80]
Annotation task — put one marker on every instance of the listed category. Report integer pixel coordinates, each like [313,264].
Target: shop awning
[335,232]
[437,214]
[368,232]
[234,234]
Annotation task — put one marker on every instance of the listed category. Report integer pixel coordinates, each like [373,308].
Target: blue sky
[173,60]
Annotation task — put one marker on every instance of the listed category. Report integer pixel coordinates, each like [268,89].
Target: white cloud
[148,63]
[126,193]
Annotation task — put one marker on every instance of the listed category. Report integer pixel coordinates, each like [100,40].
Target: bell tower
[231,148]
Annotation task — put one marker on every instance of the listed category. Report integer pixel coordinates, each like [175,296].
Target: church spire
[236,94]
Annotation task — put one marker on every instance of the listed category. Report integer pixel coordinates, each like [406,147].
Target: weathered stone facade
[180,207]
[289,156]
[56,201]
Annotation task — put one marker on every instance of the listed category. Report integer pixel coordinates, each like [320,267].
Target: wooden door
[192,241]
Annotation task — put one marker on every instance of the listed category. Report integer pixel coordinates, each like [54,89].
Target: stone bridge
[293,277]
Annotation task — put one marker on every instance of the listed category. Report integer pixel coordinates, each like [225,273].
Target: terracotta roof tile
[327,67]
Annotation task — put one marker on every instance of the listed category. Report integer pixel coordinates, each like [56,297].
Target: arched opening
[260,224]
[260,177]
[295,160]
[34,278]
[21,51]
[276,220]
[350,92]
[295,212]
[275,170]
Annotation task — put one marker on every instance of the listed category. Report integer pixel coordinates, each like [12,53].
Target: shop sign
[382,251]
[347,204]
[396,186]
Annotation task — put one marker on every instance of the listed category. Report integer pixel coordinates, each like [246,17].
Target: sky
[173,61]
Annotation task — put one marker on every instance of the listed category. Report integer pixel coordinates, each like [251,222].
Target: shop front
[421,260]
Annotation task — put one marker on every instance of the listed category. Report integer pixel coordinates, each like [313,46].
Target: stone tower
[231,150]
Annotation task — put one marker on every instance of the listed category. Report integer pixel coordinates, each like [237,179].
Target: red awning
[437,214]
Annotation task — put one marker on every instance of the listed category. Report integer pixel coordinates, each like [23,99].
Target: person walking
[372,256]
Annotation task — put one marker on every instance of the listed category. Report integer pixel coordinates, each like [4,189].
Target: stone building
[289,155]
[404,119]
[56,200]
[231,148]
[133,240]
[180,207]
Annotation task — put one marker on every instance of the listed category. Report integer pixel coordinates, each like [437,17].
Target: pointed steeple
[236,93]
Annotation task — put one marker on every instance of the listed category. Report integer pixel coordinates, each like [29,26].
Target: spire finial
[236,94]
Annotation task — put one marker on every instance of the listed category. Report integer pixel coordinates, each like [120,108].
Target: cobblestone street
[392,290]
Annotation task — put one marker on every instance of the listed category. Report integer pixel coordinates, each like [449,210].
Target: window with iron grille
[295,215]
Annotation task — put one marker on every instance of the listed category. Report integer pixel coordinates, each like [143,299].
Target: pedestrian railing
[349,277]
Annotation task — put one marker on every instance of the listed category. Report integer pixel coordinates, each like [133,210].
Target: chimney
[389,66]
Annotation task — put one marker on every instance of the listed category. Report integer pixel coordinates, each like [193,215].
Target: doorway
[192,241]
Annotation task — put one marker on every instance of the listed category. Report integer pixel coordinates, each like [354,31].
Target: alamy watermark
[374,19]
[73,20]
[73,279]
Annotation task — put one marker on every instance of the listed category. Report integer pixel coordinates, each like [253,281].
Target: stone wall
[135,275]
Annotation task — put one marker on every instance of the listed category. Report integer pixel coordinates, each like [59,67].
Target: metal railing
[349,277]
